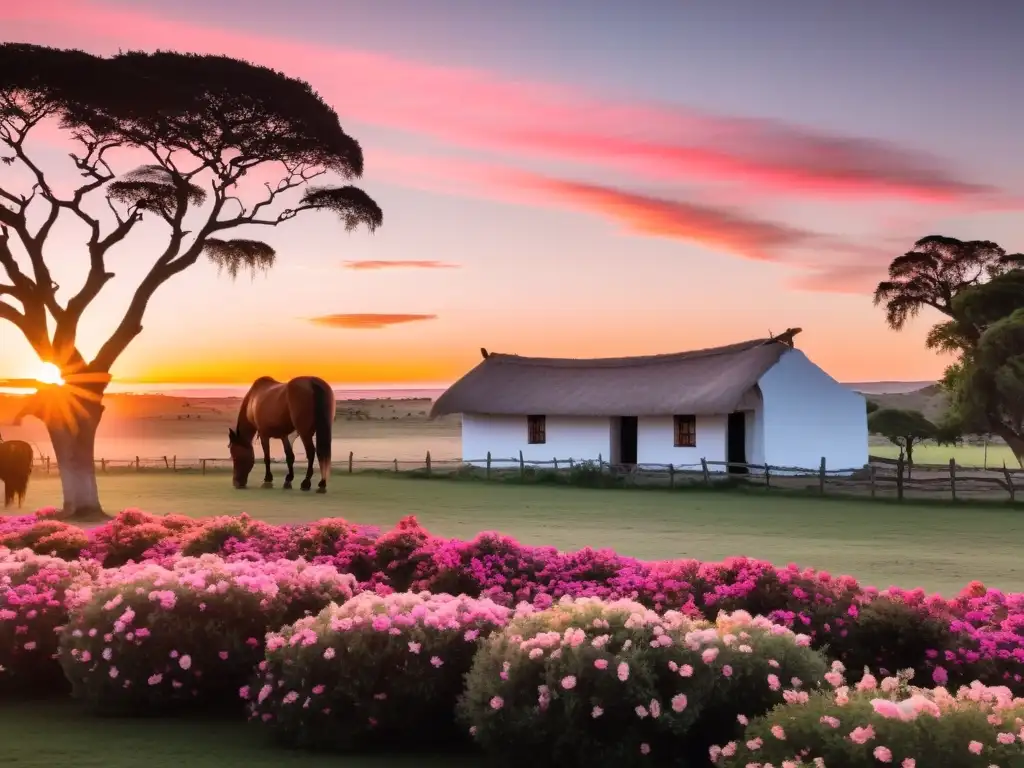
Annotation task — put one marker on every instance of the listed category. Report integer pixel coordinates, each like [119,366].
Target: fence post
[1009,482]
[899,477]
[175,460]
[204,467]
[136,463]
[704,469]
[487,475]
[350,462]
[671,476]
[396,465]
[556,463]
[821,477]
[952,477]
[103,464]
[428,463]
[871,475]
[167,464]
[47,465]
[600,463]
[522,466]
[767,477]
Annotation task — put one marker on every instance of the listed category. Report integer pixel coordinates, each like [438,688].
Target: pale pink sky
[587,193]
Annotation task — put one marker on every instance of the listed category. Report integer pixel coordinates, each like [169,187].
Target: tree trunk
[1013,439]
[74,445]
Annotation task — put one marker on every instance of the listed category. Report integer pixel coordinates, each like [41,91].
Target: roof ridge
[610,362]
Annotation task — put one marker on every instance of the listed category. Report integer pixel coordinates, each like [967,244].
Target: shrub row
[978,634]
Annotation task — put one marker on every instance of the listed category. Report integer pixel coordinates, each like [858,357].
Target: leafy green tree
[203,123]
[980,290]
[903,428]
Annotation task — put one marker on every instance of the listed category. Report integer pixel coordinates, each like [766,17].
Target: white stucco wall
[568,437]
[807,414]
[656,441]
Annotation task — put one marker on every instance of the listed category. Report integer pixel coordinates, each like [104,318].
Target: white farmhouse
[755,402]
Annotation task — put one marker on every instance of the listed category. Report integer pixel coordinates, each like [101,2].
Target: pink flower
[975,747]
[223,655]
[414,648]
[862,735]
[727,671]
[773,682]
[686,671]
[601,663]
[1006,738]
[497,703]
[754,744]
[185,662]
[596,712]
[436,662]
[623,671]
[679,702]
[709,655]
[883,754]
[317,690]
[908,762]
[645,749]
[828,720]
[329,653]
[779,732]
[155,680]
[939,676]
[568,682]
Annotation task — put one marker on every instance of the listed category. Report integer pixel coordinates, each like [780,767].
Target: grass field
[56,735]
[965,455]
[938,547]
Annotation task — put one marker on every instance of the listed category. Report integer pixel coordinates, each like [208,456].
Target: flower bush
[593,683]
[890,723]
[147,637]
[375,670]
[978,634]
[32,609]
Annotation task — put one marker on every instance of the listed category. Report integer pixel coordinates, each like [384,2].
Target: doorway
[736,443]
[628,439]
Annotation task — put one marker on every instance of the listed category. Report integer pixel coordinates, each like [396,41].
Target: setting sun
[48,373]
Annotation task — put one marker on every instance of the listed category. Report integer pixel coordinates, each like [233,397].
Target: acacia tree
[980,290]
[903,428]
[203,123]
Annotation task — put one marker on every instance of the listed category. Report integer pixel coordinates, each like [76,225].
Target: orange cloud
[470,108]
[399,264]
[367,321]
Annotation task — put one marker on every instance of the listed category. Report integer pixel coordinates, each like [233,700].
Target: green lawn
[938,547]
[965,455]
[57,735]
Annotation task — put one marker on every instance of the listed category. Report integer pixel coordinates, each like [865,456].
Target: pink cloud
[375,264]
[476,109]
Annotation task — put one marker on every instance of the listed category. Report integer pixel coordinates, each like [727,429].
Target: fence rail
[881,478]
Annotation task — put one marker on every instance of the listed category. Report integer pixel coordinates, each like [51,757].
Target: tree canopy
[979,288]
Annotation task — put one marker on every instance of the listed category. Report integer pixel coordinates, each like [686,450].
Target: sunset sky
[580,178]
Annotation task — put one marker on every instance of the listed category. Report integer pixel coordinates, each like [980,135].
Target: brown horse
[277,411]
[15,468]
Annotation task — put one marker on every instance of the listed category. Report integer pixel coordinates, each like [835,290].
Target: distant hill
[929,400]
[887,387]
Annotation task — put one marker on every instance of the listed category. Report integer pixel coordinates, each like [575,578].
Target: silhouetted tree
[980,290]
[903,428]
[204,123]
[871,405]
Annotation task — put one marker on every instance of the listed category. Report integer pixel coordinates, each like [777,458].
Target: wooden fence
[882,478]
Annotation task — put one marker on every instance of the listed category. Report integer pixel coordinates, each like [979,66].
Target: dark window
[536,429]
[686,431]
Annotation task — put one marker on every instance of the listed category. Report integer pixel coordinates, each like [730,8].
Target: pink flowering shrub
[32,610]
[377,670]
[146,637]
[885,723]
[44,536]
[593,683]
[133,533]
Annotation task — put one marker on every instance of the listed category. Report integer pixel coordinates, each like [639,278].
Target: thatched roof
[701,382]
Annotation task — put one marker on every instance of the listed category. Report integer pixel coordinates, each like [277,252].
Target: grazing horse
[278,410]
[15,467]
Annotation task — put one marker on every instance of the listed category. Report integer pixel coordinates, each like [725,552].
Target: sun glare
[49,373]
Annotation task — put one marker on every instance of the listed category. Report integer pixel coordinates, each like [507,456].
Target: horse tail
[323,421]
